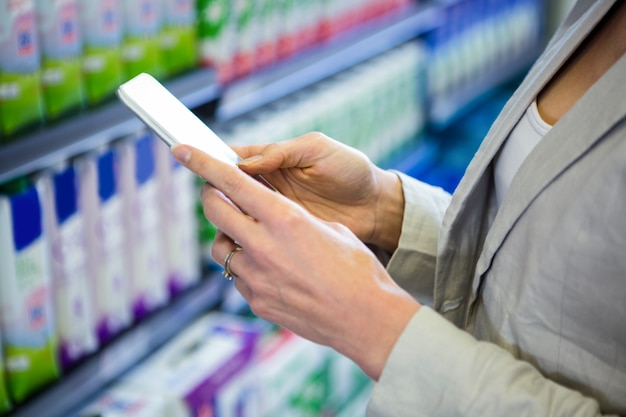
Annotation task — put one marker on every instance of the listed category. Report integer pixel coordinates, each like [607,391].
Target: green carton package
[21,102]
[5,402]
[178,36]
[61,72]
[101,32]
[141,47]
[28,331]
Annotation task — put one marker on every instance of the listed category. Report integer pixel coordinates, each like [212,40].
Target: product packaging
[141,47]
[178,198]
[216,37]
[101,204]
[293,377]
[310,13]
[198,362]
[239,397]
[61,48]
[142,218]
[178,36]
[128,402]
[71,278]
[267,22]
[290,377]
[245,14]
[356,406]
[347,385]
[21,99]
[30,345]
[101,31]
[5,401]
[287,27]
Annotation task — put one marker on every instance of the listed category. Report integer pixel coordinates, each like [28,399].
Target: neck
[604,46]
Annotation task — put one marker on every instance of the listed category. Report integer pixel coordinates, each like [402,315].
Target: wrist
[388,211]
[379,325]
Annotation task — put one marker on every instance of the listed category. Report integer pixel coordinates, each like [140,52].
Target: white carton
[142,217]
[181,244]
[72,295]
[101,203]
[194,366]
[127,402]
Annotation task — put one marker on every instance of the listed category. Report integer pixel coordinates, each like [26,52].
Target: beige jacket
[534,293]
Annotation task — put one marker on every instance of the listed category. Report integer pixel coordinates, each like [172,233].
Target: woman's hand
[308,275]
[334,182]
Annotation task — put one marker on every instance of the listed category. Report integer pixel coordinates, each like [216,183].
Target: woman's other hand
[334,182]
[308,275]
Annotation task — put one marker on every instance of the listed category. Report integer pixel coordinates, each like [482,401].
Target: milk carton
[71,278]
[5,402]
[101,30]
[196,364]
[288,27]
[247,27]
[216,36]
[178,198]
[178,36]
[101,204]
[129,402]
[142,218]
[292,377]
[61,47]
[28,330]
[141,49]
[267,33]
[21,101]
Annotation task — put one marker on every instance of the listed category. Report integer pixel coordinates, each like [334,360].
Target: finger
[249,150]
[299,152]
[244,289]
[248,194]
[220,246]
[232,223]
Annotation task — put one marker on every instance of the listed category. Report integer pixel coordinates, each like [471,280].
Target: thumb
[268,158]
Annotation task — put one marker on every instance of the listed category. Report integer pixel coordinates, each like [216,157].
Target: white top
[523,138]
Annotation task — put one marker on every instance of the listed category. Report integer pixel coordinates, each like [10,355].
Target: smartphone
[172,121]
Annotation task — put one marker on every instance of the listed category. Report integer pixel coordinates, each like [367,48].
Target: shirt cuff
[412,265]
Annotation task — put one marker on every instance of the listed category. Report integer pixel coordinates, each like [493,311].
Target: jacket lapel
[566,142]
[546,66]
[464,224]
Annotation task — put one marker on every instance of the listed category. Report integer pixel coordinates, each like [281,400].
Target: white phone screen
[170,119]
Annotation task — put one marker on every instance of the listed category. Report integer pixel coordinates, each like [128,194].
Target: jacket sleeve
[424,207]
[436,369]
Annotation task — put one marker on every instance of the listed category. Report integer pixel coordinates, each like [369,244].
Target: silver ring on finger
[227,273]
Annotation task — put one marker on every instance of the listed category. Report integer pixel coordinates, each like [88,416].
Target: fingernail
[181,153]
[251,160]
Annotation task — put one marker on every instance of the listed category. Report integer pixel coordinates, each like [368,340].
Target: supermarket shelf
[414,159]
[91,129]
[446,109]
[329,58]
[73,390]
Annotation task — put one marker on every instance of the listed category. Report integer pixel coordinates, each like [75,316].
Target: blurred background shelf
[329,58]
[93,128]
[92,375]
[439,156]
[54,143]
